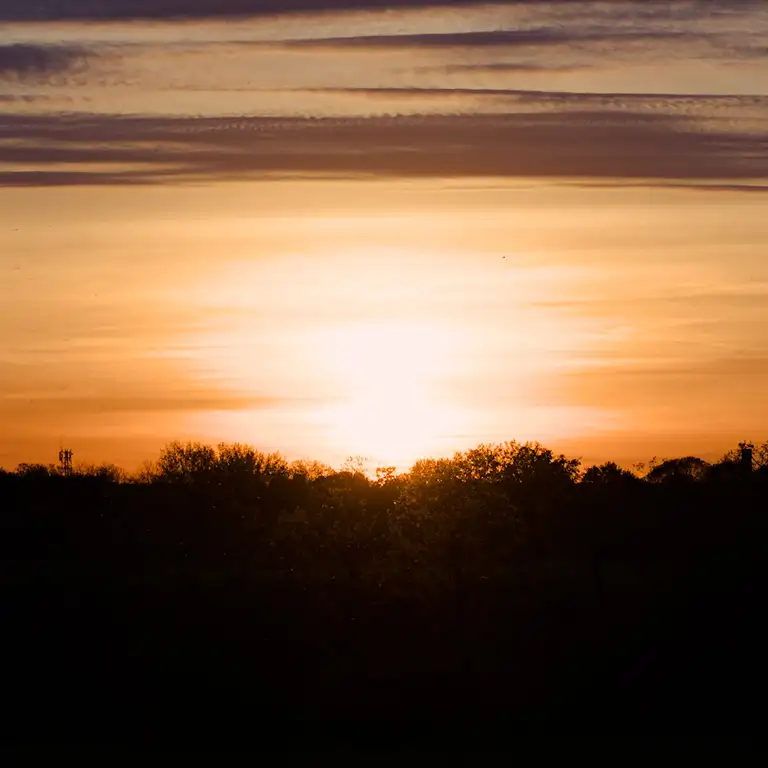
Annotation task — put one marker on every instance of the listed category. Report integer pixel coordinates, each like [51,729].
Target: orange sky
[388,233]
[391,319]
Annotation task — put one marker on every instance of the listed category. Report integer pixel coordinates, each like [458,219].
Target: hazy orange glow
[498,313]
[388,233]
[388,377]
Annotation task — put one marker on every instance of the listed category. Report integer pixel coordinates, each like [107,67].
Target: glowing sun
[388,376]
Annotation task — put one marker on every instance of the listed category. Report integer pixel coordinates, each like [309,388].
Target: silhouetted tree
[37,471]
[312,470]
[355,464]
[147,472]
[238,459]
[186,463]
[608,474]
[385,475]
[109,472]
[686,468]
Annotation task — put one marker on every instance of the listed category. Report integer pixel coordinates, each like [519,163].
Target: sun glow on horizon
[390,410]
[389,353]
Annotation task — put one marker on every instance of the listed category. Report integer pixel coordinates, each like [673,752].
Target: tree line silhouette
[225,588]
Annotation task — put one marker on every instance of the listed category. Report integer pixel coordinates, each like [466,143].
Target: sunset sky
[384,228]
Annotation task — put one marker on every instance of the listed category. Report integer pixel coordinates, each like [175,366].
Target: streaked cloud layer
[560,137]
[174,9]
[604,90]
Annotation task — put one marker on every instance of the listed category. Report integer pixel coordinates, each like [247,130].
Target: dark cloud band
[84,10]
[583,142]
[20,10]
[22,62]
[539,37]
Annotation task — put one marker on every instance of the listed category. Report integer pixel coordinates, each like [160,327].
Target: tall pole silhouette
[746,456]
[65,461]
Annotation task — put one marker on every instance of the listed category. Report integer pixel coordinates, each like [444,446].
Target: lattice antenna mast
[65,461]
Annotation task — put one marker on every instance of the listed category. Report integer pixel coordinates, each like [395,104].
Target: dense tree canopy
[500,581]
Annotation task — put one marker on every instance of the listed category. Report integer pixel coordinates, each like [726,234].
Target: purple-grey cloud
[754,188]
[502,67]
[23,10]
[175,9]
[21,98]
[569,136]
[659,103]
[25,61]
[541,36]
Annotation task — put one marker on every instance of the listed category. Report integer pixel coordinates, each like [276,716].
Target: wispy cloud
[505,67]
[50,404]
[21,98]
[583,141]
[542,36]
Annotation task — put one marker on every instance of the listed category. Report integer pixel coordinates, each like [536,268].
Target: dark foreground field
[233,603]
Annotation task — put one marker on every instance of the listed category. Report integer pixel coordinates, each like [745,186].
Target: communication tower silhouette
[65,461]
